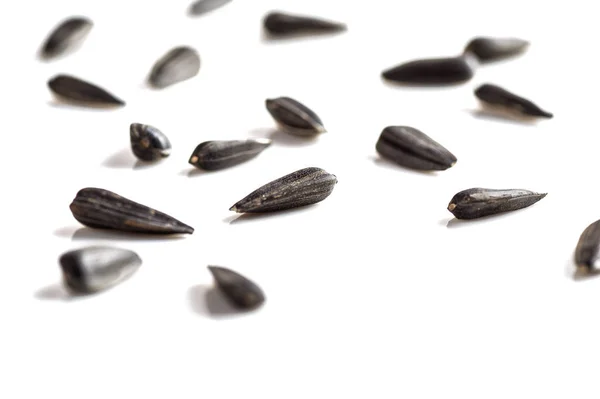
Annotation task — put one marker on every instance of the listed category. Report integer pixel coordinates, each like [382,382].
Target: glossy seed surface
[148,143]
[179,64]
[281,24]
[205,6]
[97,268]
[215,155]
[479,202]
[74,89]
[587,252]
[103,209]
[303,187]
[66,36]
[239,291]
[501,98]
[431,71]
[488,49]
[411,148]
[294,117]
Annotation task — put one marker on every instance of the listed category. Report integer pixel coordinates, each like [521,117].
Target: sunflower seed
[97,268]
[478,202]
[294,118]
[278,23]
[498,97]
[77,90]
[413,149]
[204,6]
[239,291]
[488,49]
[103,209]
[431,71]
[179,64]
[215,155]
[148,143]
[587,252]
[303,187]
[66,36]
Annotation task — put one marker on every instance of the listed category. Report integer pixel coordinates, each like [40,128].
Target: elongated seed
[66,36]
[241,292]
[103,209]
[148,143]
[205,6]
[479,202]
[215,155]
[179,64]
[413,149]
[498,97]
[431,71]
[587,252]
[74,89]
[488,49]
[97,268]
[294,117]
[303,187]
[281,24]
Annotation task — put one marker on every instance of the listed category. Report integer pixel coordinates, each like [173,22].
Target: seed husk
[215,155]
[304,187]
[148,143]
[479,202]
[205,6]
[179,64]
[431,71]
[500,98]
[97,268]
[74,89]
[411,148]
[103,209]
[488,49]
[66,36]
[294,117]
[241,292]
[282,24]
[587,252]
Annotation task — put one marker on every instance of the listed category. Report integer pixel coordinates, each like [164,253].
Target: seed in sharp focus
[103,209]
[587,252]
[479,202]
[74,89]
[204,6]
[179,64]
[239,291]
[280,24]
[488,49]
[431,71]
[66,36]
[294,118]
[498,97]
[97,268]
[148,143]
[411,148]
[303,187]
[215,155]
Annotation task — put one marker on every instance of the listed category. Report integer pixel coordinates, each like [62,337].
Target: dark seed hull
[205,6]
[280,24]
[65,36]
[179,64]
[217,155]
[148,143]
[496,96]
[294,117]
[488,49]
[74,89]
[587,252]
[239,291]
[479,202]
[433,71]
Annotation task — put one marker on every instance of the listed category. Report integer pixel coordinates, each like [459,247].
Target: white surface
[372,293]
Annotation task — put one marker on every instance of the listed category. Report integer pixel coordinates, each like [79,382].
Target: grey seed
[303,187]
[294,118]
[413,149]
[204,6]
[103,209]
[179,64]
[587,252]
[66,36]
[148,143]
[278,24]
[215,155]
[97,268]
[478,202]
[74,89]
[431,71]
[488,49]
[501,98]
[239,291]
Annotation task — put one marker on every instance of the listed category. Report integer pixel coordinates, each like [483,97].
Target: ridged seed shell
[215,155]
[241,292]
[74,89]
[479,202]
[294,117]
[148,143]
[66,36]
[179,64]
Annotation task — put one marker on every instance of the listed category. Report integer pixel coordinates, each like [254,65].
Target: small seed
[103,209]
[239,291]
[479,202]
[498,97]
[96,268]
[488,49]
[431,71]
[148,143]
[278,23]
[303,187]
[179,64]
[204,6]
[587,252]
[215,155]
[74,89]
[294,118]
[66,36]
[413,149]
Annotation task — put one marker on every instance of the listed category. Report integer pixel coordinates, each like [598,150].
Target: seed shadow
[122,159]
[422,86]
[280,137]
[141,165]
[59,102]
[454,222]
[87,233]
[250,217]
[57,292]
[208,301]
[387,164]
[65,232]
[503,116]
[193,172]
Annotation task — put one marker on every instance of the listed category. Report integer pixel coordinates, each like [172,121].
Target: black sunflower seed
[103,209]
[488,49]
[74,89]
[479,202]
[215,155]
[278,23]
[587,252]
[412,148]
[204,6]
[148,143]
[293,117]
[431,71]
[66,36]
[97,268]
[239,291]
[303,187]
[179,64]
[501,98]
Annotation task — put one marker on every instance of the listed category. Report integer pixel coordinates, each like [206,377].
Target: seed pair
[279,24]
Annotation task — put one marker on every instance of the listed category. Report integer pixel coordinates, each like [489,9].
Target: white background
[375,292]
